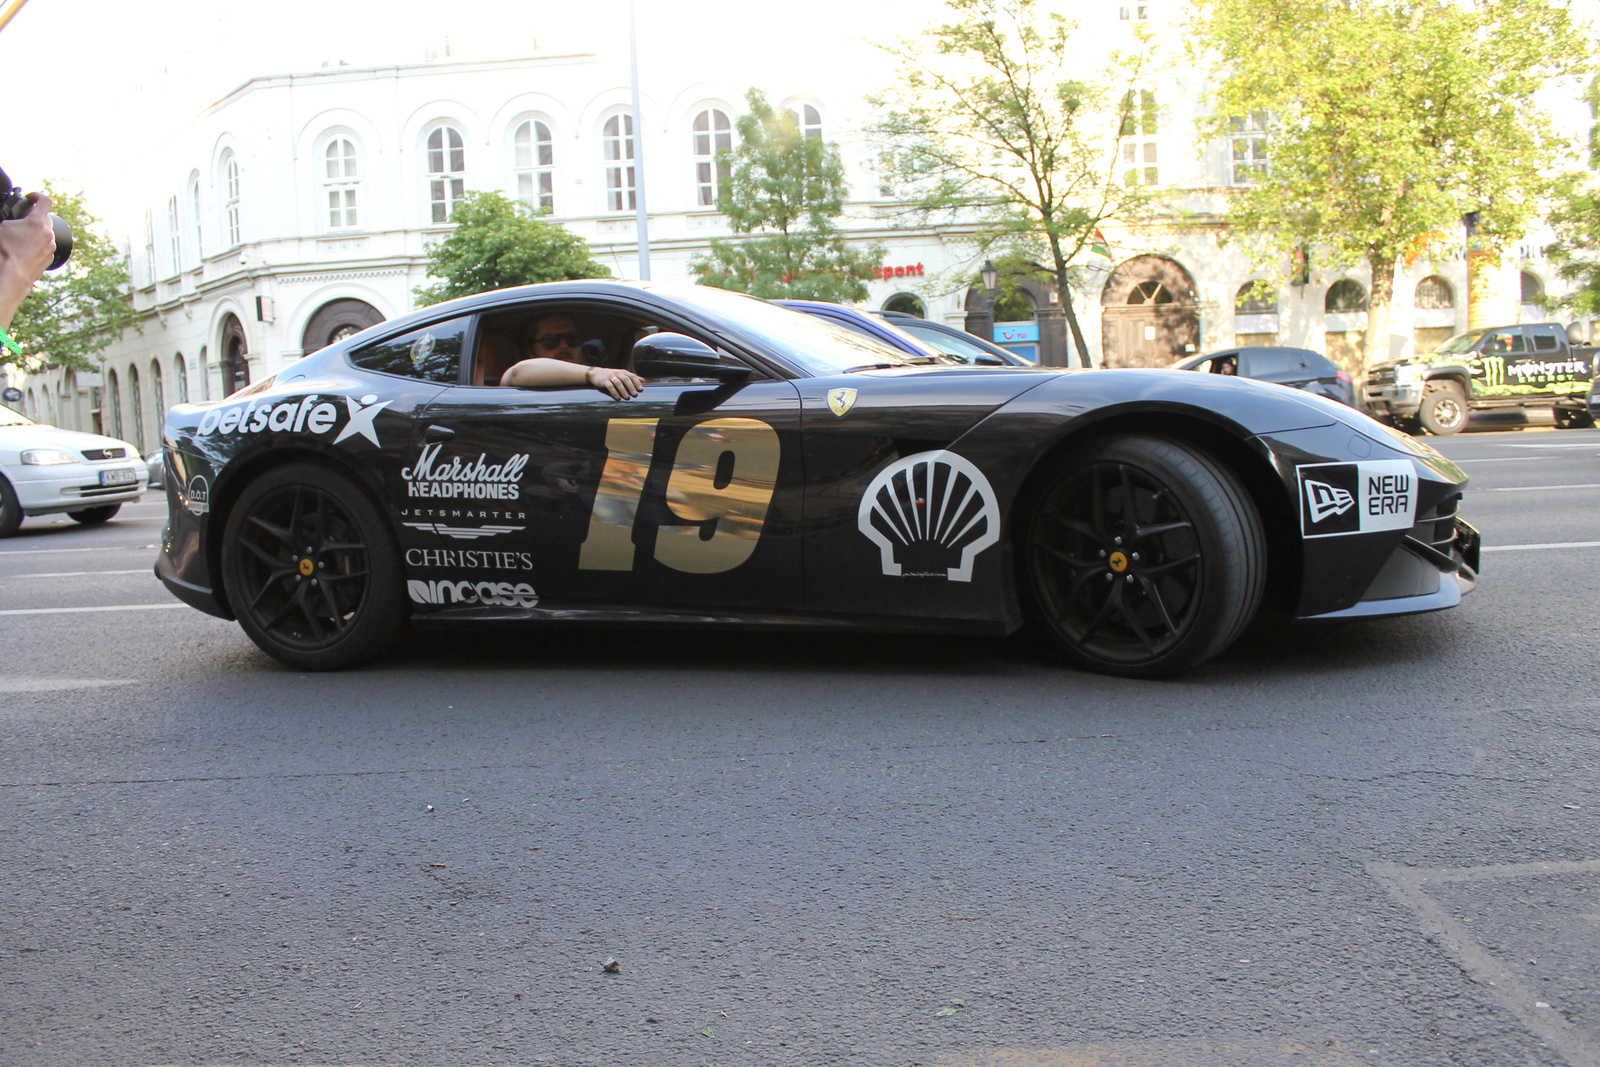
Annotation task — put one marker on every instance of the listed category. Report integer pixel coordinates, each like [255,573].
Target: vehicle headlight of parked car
[46,457]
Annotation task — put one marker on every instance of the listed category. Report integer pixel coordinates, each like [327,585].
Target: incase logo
[483,594]
[475,478]
[1350,498]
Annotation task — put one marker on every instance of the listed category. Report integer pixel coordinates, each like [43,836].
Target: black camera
[13,205]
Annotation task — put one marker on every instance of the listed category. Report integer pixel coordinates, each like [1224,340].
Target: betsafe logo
[1338,499]
[301,414]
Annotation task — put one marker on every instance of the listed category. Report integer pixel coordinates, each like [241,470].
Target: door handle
[438,433]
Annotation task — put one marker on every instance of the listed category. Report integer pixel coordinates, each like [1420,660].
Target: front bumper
[1420,575]
[50,490]
[1402,400]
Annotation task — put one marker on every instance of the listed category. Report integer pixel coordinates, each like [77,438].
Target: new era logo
[1326,500]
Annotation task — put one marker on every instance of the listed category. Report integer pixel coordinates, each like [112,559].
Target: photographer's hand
[27,247]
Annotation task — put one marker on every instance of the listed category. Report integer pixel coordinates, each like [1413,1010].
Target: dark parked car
[777,469]
[871,326]
[959,344]
[1297,367]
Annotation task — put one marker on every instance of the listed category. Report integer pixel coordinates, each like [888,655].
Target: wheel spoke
[1064,556]
[286,536]
[1133,622]
[303,600]
[1097,503]
[1130,515]
[1156,531]
[1113,601]
[333,608]
[1163,568]
[1154,593]
[266,587]
[264,556]
[326,578]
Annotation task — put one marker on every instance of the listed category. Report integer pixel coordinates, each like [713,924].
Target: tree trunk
[1380,305]
[1064,294]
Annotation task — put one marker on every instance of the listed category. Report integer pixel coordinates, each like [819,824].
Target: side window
[431,353]
[1502,342]
[1266,364]
[1544,339]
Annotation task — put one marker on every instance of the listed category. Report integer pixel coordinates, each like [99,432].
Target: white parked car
[46,471]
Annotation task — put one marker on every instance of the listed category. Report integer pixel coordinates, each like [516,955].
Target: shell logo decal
[930,515]
[841,401]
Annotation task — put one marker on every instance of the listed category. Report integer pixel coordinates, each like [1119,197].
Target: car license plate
[126,476]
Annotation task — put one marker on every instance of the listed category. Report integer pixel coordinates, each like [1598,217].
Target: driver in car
[558,360]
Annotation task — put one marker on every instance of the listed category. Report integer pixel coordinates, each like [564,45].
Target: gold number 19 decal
[722,482]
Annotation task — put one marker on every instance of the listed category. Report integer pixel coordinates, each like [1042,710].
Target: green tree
[499,242]
[1576,222]
[78,309]
[1387,121]
[784,190]
[991,119]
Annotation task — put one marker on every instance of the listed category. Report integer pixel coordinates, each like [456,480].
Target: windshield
[1461,342]
[950,345]
[11,418]
[816,345]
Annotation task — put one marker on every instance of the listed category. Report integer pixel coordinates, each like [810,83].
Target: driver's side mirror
[675,355]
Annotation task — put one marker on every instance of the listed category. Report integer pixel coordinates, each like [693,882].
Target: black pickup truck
[1532,365]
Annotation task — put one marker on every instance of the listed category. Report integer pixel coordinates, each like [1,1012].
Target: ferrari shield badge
[841,401]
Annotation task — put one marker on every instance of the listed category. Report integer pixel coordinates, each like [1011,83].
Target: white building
[300,207]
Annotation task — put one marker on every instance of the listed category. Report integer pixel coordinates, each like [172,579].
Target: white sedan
[46,471]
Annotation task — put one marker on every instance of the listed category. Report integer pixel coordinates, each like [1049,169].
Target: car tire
[10,509]
[311,569]
[95,516]
[1444,408]
[1142,557]
[1568,419]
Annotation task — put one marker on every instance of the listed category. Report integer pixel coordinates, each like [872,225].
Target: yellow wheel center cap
[1118,561]
[306,567]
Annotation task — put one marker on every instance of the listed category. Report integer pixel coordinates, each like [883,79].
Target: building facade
[300,208]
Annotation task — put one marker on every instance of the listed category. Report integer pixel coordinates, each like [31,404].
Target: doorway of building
[235,357]
[1149,317]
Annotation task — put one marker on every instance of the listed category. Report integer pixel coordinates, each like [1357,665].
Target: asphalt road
[1373,844]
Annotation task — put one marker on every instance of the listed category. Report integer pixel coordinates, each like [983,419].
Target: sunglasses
[552,341]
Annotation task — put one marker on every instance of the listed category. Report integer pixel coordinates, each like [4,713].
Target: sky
[95,84]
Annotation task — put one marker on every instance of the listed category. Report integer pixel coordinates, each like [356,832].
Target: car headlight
[1409,373]
[46,457]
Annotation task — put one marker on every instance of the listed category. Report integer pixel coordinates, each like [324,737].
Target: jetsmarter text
[477,479]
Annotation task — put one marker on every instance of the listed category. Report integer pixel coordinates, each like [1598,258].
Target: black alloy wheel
[95,516]
[10,509]
[1569,419]
[1143,557]
[311,572]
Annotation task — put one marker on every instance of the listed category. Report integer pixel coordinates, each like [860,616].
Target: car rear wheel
[1569,419]
[95,516]
[10,509]
[311,570]
[1143,557]
[1444,408]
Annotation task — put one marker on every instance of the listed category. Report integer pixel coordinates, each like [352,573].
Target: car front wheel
[311,570]
[1143,557]
[1444,408]
[95,516]
[10,509]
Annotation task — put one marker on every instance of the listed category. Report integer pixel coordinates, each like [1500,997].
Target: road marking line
[1532,488]
[75,611]
[1533,548]
[1504,459]
[1552,444]
[104,548]
[50,685]
[1406,885]
[80,574]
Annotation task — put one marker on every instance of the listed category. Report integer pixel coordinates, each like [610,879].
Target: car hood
[17,438]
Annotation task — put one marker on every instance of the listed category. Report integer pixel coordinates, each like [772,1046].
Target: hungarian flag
[1100,246]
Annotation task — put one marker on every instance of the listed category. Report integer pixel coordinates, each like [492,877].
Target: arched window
[174,234]
[909,303]
[534,160]
[1250,300]
[713,133]
[137,403]
[229,182]
[205,375]
[194,206]
[1150,292]
[447,171]
[180,371]
[809,119]
[114,402]
[341,183]
[1532,289]
[235,357]
[159,393]
[1346,294]
[617,143]
[1434,294]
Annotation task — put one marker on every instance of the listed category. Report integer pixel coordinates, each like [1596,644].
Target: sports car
[775,469]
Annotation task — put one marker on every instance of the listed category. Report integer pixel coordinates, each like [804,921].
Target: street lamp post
[991,280]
